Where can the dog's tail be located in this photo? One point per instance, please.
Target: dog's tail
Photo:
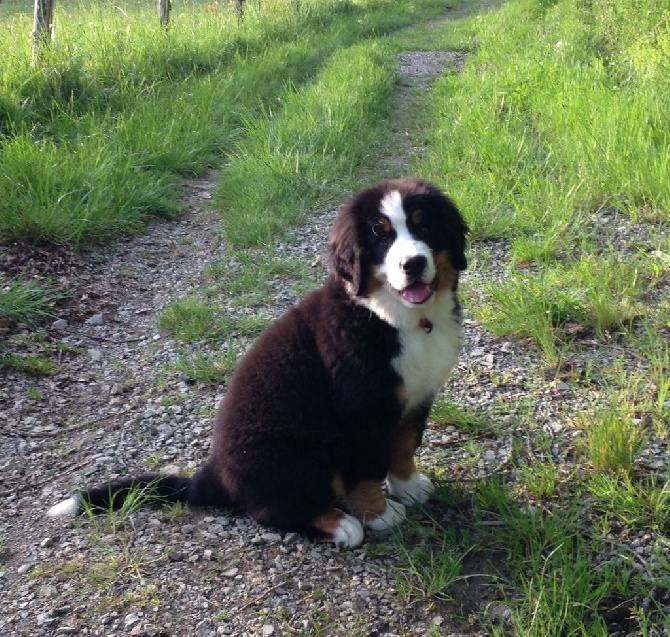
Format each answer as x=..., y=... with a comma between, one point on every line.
x=149, y=489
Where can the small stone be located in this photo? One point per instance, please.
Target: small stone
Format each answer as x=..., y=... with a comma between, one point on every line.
x=47, y=542
x=271, y=538
x=47, y=591
x=23, y=569
x=96, y=319
x=59, y=324
x=203, y=628
x=45, y=618
x=95, y=354
x=117, y=388
x=130, y=619
x=231, y=572
x=268, y=629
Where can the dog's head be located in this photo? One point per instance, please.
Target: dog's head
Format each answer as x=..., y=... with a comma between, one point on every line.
x=402, y=238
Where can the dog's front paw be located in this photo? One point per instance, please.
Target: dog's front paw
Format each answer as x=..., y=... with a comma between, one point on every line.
x=415, y=490
x=394, y=514
x=349, y=533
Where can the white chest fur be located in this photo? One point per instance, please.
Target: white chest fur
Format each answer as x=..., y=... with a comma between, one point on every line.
x=426, y=358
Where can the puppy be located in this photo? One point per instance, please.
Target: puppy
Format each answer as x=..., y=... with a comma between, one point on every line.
x=331, y=401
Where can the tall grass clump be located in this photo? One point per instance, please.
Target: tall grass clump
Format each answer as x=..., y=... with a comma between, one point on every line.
x=613, y=439
x=25, y=301
x=301, y=157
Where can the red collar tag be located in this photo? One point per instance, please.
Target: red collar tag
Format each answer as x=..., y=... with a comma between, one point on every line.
x=426, y=325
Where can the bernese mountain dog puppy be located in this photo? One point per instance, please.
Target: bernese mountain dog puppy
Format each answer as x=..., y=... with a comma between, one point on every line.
x=330, y=403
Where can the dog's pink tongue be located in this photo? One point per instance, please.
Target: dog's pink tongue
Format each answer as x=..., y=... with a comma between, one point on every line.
x=416, y=293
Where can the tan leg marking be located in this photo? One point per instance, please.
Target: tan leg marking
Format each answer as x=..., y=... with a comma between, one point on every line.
x=338, y=487
x=366, y=500
x=403, y=447
x=344, y=530
x=329, y=521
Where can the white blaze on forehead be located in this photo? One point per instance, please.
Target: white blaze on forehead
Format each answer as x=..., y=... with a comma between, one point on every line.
x=391, y=206
x=404, y=246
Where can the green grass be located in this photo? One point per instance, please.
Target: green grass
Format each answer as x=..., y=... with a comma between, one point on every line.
x=300, y=158
x=248, y=278
x=95, y=135
x=26, y=301
x=210, y=368
x=191, y=319
x=613, y=439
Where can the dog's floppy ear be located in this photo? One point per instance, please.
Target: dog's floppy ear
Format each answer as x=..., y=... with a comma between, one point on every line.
x=456, y=227
x=347, y=250
x=457, y=242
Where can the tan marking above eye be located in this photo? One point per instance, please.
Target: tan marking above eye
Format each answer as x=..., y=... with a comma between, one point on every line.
x=417, y=217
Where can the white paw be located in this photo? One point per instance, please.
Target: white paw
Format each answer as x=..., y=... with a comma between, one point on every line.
x=65, y=507
x=417, y=489
x=394, y=514
x=349, y=533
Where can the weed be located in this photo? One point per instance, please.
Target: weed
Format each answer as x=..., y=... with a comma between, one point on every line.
x=446, y=412
x=191, y=319
x=541, y=480
x=35, y=394
x=210, y=368
x=36, y=365
x=641, y=504
x=612, y=438
x=24, y=301
x=133, y=499
x=153, y=460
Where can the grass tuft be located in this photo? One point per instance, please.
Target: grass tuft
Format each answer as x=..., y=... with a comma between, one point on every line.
x=26, y=301
x=613, y=439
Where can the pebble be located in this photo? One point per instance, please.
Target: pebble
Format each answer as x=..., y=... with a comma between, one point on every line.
x=95, y=320
x=59, y=324
x=231, y=572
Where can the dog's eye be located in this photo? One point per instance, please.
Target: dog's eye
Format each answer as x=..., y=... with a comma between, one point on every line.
x=381, y=231
x=424, y=229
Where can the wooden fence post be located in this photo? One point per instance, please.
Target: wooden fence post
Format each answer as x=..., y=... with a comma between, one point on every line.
x=239, y=8
x=164, y=7
x=42, y=23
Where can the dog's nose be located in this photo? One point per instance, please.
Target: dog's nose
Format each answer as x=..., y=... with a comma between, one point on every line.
x=414, y=266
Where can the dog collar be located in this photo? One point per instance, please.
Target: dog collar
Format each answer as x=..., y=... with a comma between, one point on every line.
x=426, y=324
